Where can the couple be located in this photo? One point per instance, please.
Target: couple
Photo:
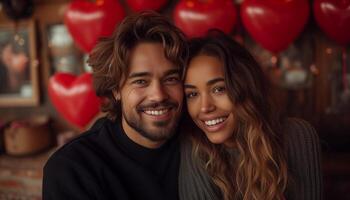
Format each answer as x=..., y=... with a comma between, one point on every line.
x=227, y=143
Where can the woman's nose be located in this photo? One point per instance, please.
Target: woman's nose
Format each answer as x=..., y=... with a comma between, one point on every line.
x=207, y=104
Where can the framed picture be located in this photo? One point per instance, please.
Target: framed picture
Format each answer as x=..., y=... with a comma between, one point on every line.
x=58, y=52
x=63, y=56
x=18, y=65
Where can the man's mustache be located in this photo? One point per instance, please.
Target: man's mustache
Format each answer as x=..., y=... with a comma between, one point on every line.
x=157, y=105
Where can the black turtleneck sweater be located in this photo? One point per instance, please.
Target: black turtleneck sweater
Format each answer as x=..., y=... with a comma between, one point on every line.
x=104, y=163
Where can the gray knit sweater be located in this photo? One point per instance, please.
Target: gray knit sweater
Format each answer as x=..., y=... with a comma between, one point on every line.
x=303, y=158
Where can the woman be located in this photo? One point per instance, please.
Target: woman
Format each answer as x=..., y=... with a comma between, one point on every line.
x=243, y=150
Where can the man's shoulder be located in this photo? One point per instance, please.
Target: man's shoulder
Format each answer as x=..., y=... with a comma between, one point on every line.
x=87, y=136
x=83, y=146
x=99, y=123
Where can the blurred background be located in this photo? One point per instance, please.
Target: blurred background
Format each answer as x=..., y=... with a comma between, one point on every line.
x=46, y=94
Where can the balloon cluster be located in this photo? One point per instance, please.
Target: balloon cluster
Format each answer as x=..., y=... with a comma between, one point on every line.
x=274, y=24
x=271, y=23
x=88, y=21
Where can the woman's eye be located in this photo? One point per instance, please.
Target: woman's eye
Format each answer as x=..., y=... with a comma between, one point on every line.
x=219, y=89
x=191, y=95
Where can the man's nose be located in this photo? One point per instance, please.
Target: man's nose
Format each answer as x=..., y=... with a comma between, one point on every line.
x=158, y=92
x=207, y=104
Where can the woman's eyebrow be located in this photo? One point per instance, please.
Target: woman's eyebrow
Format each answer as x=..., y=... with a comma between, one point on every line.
x=215, y=80
x=189, y=86
x=210, y=82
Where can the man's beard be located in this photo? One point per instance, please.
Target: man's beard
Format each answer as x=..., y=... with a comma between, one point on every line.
x=164, y=131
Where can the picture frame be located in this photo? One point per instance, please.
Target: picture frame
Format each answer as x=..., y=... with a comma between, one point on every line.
x=58, y=52
x=63, y=55
x=19, y=73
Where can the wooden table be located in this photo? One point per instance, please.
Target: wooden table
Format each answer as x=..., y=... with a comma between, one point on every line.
x=21, y=177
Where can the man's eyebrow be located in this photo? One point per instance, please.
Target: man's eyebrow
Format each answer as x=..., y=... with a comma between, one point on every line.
x=215, y=80
x=138, y=74
x=172, y=71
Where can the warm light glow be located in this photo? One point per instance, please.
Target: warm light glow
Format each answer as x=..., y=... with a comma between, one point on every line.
x=314, y=69
x=329, y=50
x=19, y=40
x=274, y=60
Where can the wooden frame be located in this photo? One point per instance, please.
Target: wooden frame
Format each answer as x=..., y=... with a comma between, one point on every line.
x=18, y=64
x=50, y=15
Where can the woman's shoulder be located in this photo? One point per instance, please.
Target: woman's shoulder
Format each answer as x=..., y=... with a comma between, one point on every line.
x=302, y=146
x=303, y=156
x=297, y=131
x=301, y=143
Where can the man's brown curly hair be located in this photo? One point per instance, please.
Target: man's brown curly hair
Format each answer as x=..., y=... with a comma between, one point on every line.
x=110, y=57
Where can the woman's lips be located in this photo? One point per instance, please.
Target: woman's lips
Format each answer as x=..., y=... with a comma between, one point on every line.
x=214, y=124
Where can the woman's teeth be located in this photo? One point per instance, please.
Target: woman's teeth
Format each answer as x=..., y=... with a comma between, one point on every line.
x=156, y=112
x=215, y=121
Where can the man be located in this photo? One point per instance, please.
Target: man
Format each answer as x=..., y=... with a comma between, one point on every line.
x=133, y=153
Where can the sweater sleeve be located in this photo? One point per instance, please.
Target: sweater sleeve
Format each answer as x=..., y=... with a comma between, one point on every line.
x=65, y=179
x=303, y=157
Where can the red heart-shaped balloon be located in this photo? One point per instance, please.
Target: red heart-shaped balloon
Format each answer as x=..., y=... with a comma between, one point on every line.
x=196, y=17
x=274, y=23
x=333, y=16
x=140, y=5
x=87, y=21
x=74, y=97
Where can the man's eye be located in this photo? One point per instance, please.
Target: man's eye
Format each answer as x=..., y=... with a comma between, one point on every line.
x=191, y=95
x=219, y=89
x=139, y=82
x=172, y=80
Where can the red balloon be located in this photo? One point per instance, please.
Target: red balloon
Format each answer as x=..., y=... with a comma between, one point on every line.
x=274, y=23
x=140, y=5
x=74, y=97
x=87, y=21
x=196, y=17
x=333, y=16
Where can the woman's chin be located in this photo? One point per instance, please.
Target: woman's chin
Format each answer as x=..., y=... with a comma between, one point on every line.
x=216, y=139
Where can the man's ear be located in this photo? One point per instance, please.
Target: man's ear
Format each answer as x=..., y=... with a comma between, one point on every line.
x=116, y=94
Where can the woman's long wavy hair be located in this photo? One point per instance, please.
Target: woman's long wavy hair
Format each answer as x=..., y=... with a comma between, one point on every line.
x=254, y=168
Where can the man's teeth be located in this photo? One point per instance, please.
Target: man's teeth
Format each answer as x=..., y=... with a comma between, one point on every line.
x=156, y=112
x=214, y=121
